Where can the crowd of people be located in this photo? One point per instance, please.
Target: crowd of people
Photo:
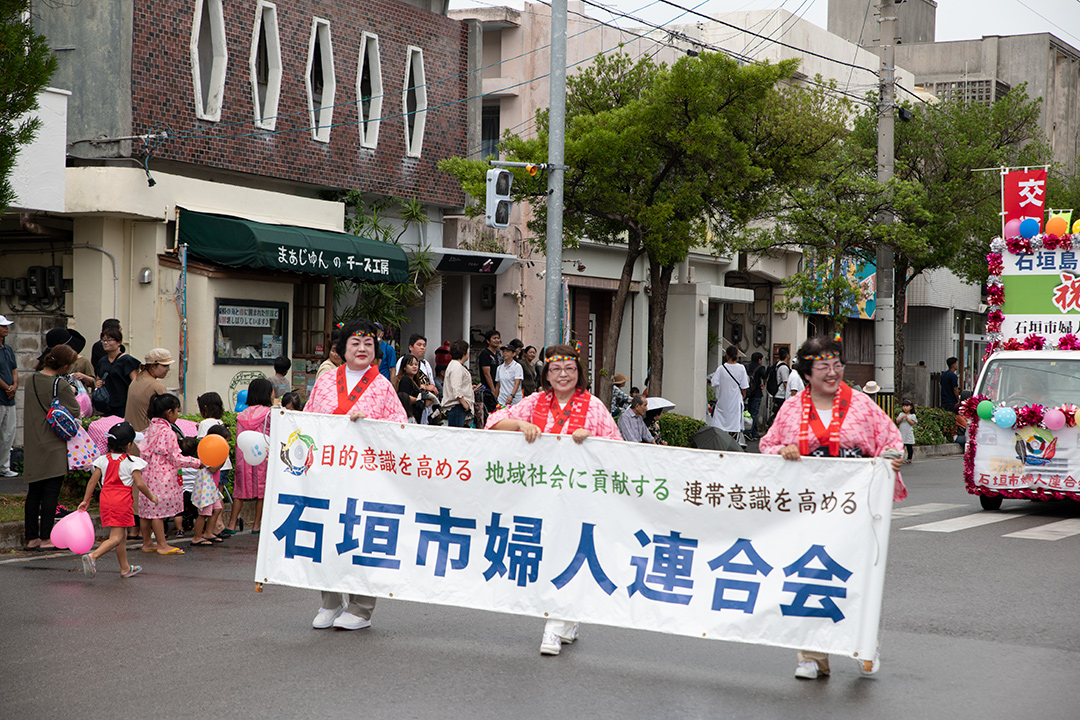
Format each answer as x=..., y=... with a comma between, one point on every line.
x=149, y=471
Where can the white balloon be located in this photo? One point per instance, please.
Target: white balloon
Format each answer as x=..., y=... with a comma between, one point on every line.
x=254, y=445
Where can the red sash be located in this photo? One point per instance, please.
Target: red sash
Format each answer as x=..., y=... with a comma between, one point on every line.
x=811, y=421
x=345, y=398
x=572, y=415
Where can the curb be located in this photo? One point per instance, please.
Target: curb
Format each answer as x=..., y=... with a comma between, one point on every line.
x=11, y=533
x=924, y=452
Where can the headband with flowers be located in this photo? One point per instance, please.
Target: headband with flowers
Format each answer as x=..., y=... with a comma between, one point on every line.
x=556, y=358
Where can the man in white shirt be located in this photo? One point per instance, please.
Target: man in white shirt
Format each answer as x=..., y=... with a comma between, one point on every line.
x=783, y=373
x=795, y=383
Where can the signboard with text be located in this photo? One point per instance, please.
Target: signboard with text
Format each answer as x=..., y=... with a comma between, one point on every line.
x=729, y=546
x=1042, y=294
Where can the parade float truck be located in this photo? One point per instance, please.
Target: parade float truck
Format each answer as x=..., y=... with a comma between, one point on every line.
x=1023, y=438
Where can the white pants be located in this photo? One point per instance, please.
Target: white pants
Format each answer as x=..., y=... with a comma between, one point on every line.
x=562, y=628
x=7, y=435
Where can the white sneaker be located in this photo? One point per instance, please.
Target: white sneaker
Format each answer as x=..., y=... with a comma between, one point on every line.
x=551, y=644
x=873, y=668
x=8, y=473
x=807, y=670
x=572, y=636
x=325, y=618
x=348, y=621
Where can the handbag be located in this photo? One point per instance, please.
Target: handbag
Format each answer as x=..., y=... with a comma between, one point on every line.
x=100, y=400
x=59, y=418
x=81, y=451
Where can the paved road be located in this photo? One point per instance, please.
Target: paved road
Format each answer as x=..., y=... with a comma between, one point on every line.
x=979, y=623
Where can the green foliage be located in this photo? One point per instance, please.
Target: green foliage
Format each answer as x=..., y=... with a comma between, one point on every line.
x=386, y=303
x=678, y=430
x=935, y=426
x=25, y=68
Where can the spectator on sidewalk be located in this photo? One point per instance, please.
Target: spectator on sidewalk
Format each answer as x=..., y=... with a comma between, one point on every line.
x=632, y=422
x=950, y=385
x=9, y=383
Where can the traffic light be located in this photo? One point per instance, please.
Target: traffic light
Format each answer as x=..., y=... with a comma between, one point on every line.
x=759, y=335
x=498, y=203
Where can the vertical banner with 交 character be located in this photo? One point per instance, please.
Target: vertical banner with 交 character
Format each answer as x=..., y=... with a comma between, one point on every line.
x=729, y=546
x=1023, y=195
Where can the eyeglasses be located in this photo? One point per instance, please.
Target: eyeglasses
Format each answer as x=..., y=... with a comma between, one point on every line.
x=827, y=367
x=568, y=370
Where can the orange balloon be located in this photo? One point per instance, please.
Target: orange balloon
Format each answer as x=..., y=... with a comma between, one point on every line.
x=1057, y=225
x=213, y=450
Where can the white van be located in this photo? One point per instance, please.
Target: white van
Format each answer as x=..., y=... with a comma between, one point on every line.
x=1026, y=461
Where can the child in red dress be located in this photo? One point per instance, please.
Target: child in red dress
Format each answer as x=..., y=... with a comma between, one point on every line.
x=120, y=471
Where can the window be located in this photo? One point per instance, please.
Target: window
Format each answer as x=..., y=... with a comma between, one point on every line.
x=265, y=65
x=489, y=131
x=369, y=90
x=319, y=80
x=209, y=58
x=250, y=332
x=310, y=338
x=414, y=101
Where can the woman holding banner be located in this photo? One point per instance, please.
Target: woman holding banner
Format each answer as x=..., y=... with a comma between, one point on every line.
x=357, y=389
x=828, y=419
x=564, y=407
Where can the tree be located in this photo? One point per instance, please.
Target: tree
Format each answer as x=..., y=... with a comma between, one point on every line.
x=25, y=68
x=386, y=303
x=664, y=159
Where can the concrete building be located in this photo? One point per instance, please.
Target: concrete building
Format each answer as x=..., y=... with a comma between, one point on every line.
x=728, y=297
x=200, y=121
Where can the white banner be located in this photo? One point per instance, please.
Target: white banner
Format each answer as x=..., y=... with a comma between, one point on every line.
x=734, y=546
x=1031, y=457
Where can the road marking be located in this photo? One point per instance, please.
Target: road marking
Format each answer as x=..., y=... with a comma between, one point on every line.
x=968, y=521
x=913, y=510
x=1053, y=531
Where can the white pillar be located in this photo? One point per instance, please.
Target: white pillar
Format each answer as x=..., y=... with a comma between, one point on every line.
x=466, y=308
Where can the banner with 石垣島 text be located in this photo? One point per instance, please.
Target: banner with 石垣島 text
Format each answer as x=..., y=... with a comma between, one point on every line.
x=730, y=546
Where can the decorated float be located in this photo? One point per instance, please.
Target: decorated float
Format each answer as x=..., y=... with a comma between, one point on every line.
x=1023, y=438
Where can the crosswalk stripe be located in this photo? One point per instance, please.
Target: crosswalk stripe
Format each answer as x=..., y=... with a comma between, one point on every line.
x=1053, y=531
x=913, y=510
x=967, y=521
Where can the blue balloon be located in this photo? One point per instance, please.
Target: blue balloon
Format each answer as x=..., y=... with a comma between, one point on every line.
x=1005, y=417
x=241, y=400
x=1029, y=228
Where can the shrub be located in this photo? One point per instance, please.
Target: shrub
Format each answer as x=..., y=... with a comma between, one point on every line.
x=935, y=426
x=678, y=430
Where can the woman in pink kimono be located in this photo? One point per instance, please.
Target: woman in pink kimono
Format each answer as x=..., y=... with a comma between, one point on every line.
x=250, y=483
x=161, y=451
x=357, y=389
x=828, y=419
x=564, y=407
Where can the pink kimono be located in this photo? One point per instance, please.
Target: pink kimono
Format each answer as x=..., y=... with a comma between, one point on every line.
x=866, y=426
x=598, y=420
x=379, y=401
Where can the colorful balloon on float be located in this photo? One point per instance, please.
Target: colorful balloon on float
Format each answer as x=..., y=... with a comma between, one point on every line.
x=1012, y=228
x=1054, y=419
x=1004, y=417
x=985, y=409
x=1029, y=227
x=1057, y=225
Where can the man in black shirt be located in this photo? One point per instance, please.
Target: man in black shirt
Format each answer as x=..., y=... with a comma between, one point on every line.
x=489, y=363
x=950, y=385
x=756, y=391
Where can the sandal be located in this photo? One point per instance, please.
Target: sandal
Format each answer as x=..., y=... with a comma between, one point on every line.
x=171, y=551
x=202, y=543
x=135, y=570
x=216, y=540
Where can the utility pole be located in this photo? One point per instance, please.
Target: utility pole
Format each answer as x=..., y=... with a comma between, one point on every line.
x=556, y=171
x=884, y=316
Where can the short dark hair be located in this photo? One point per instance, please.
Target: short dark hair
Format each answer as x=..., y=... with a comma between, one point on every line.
x=282, y=365
x=906, y=401
x=358, y=325
x=731, y=352
x=756, y=356
x=951, y=361
x=294, y=399
x=515, y=343
x=113, y=333
x=440, y=368
x=783, y=352
x=220, y=429
x=566, y=351
x=260, y=392
x=161, y=403
x=816, y=346
x=210, y=405
x=458, y=349
x=637, y=400
x=189, y=446
x=110, y=323
x=635, y=390
x=490, y=333
x=415, y=337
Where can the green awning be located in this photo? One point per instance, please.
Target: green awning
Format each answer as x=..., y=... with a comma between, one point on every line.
x=228, y=240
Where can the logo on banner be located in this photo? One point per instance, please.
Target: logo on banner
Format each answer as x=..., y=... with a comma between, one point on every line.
x=1035, y=446
x=298, y=453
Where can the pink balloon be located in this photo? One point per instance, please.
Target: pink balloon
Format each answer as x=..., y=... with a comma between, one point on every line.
x=1054, y=419
x=1012, y=228
x=74, y=532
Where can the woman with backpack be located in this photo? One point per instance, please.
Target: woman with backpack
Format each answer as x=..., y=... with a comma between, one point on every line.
x=45, y=453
